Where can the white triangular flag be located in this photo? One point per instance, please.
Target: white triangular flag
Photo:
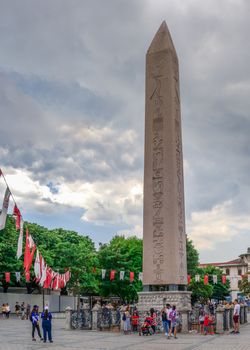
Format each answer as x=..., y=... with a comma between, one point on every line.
x=122, y=273
x=197, y=278
x=31, y=242
x=20, y=241
x=215, y=279
x=140, y=276
x=44, y=269
x=5, y=207
x=103, y=273
x=18, y=276
x=37, y=269
x=248, y=278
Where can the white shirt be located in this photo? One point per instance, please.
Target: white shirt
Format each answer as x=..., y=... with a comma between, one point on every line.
x=237, y=309
x=168, y=312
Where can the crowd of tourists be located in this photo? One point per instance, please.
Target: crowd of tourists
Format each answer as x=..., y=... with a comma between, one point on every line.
x=206, y=316
x=167, y=320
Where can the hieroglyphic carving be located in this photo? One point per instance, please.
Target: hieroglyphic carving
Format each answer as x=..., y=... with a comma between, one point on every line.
x=179, y=174
x=157, y=170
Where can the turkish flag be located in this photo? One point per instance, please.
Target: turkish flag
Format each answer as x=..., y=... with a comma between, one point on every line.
x=27, y=276
x=28, y=255
x=224, y=279
x=17, y=214
x=131, y=276
x=188, y=279
x=7, y=277
x=112, y=275
x=205, y=279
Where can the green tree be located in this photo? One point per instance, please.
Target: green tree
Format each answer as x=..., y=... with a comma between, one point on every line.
x=121, y=254
x=244, y=285
x=61, y=249
x=192, y=258
x=202, y=292
x=8, y=249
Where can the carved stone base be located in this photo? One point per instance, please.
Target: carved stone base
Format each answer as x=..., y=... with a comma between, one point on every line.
x=181, y=299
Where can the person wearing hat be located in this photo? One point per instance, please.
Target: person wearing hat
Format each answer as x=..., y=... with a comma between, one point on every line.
x=46, y=324
x=34, y=318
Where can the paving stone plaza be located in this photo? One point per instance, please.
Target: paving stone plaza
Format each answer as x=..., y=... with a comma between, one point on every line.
x=16, y=334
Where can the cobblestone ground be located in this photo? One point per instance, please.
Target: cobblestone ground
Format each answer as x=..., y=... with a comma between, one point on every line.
x=16, y=334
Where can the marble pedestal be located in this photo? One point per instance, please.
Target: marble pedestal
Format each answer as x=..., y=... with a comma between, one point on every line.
x=156, y=300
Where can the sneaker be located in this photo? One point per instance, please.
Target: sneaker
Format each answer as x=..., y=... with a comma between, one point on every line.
x=237, y=332
x=166, y=334
x=175, y=338
x=232, y=332
x=41, y=338
x=51, y=341
x=33, y=339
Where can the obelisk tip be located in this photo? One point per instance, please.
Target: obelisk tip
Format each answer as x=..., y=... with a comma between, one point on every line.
x=162, y=40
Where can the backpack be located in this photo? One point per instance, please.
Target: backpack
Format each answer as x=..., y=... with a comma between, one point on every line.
x=124, y=317
x=30, y=318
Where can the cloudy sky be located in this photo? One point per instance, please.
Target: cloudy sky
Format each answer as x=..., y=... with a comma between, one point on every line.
x=72, y=114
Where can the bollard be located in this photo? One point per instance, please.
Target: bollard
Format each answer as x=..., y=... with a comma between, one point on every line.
x=220, y=319
x=241, y=320
x=95, y=310
x=68, y=314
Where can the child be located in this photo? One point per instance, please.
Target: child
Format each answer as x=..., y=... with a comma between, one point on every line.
x=206, y=324
x=135, y=321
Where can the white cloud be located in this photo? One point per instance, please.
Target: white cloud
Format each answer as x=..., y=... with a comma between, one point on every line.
x=211, y=228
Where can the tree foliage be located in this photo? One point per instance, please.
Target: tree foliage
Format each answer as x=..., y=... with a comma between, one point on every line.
x=123, y=255
x=192, y=258
x=65, y=249
x=244, y=285
x=201, y=292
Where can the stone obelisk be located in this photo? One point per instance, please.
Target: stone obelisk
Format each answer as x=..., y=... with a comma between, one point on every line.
x=164, y=237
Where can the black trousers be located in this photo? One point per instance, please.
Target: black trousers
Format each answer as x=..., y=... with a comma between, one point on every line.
x=36, y=326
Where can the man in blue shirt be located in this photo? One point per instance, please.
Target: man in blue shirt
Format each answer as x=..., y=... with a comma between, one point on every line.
x=46, y=324
x=34, y=318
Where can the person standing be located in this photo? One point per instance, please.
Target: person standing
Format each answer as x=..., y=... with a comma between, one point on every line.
x=34, y=317
x=164, y=318
x=46, y=317
x=173, y=318
x=169, y=310
x=7, y=310
x=126, y=319
x=236, y=316
x=17, y=308
x=22, y=311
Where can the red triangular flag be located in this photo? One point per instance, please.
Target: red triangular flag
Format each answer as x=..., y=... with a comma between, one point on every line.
x=205, y=279
x=27, y=276
x=131, y=276
x=112, y=275
x=17, y=214
x=224, y=279
x=188, y=279
x=7, y=277
x=28, y=256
